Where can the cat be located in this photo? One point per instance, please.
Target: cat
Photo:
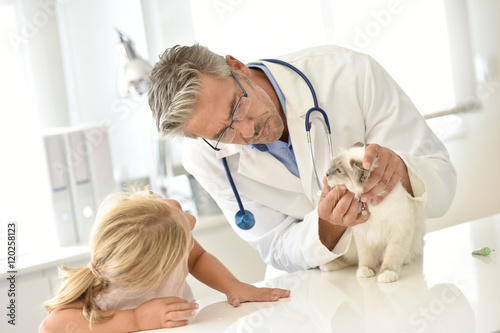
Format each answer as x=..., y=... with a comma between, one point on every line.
x=393, y=234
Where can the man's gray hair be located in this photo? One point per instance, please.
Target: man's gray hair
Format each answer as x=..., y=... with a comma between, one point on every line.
x=175, y=83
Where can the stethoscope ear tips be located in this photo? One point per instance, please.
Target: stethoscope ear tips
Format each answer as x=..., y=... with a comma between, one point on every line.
x=244, y=220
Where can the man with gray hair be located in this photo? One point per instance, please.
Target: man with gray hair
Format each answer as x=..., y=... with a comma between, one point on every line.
x=252, y=117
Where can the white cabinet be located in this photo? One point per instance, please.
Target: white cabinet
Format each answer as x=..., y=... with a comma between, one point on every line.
x=33, y=283
x=30, y=290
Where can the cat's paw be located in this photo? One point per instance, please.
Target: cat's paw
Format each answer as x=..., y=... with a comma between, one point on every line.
x=365, y=272
x=388, y=276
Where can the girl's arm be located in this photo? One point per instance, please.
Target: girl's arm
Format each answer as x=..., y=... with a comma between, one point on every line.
x=209, y=270
x=156, y=313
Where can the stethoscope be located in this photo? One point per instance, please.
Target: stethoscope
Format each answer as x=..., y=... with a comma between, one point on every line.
x=244, y=218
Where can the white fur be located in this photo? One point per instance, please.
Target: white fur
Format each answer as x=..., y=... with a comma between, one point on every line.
x=391, y=237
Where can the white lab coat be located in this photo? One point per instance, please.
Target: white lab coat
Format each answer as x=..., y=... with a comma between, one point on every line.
x=363, y=104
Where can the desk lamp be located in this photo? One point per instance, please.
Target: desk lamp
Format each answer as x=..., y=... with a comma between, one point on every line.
x=133, y=72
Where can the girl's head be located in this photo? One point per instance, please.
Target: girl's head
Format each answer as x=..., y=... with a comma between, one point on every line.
x=138, y=239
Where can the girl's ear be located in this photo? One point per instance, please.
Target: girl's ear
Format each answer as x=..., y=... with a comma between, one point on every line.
x=237, y=66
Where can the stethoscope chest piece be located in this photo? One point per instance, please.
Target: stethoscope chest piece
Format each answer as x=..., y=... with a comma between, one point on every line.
x=244, y=220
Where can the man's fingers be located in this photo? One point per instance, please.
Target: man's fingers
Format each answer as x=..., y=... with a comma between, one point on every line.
x=350, y=217
x=371, y=153
x=384, y=177
x=325, y=183
x=347, y=212
x=340, y=207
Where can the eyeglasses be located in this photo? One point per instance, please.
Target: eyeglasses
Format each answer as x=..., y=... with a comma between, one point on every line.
x=239, y=113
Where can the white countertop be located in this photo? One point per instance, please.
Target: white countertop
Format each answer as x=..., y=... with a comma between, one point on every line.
x=448, y=290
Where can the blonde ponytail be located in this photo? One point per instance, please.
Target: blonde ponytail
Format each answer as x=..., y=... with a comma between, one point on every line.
x=79, y=284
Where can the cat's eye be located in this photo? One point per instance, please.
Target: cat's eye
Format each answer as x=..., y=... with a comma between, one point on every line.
x=339, y=171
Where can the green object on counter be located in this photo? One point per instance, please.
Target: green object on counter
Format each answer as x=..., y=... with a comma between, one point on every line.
x=485, y=251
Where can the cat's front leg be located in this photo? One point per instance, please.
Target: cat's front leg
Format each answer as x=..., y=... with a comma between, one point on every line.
x=395, y=254
x=368, y=259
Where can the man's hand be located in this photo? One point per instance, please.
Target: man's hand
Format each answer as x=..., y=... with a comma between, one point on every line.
x=338, y=206
x=337, y=210
x=390, y=169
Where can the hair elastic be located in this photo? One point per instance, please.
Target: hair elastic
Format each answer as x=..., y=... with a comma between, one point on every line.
x=91, y=266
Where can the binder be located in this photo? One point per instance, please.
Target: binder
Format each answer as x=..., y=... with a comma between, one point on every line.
x=81, y=177
x=84, y=205
x=60, y=190
x=100, y=164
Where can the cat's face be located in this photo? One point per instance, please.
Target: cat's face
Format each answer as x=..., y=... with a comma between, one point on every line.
x=347, y=169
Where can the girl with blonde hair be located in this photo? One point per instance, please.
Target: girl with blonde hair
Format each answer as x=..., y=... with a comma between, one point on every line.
x=141, y=251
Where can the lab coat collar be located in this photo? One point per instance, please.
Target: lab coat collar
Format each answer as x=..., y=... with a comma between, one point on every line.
x=250, y=162
x=276, y=174
x=298, y=102
x=228, y=150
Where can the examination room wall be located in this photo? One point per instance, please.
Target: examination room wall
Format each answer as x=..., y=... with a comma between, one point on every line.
x=475, y=152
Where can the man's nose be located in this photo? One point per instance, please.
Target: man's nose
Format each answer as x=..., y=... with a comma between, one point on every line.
x=245, y=127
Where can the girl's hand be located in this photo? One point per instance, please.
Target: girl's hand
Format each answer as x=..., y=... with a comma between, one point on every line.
x=243, y=292
x=164, y=312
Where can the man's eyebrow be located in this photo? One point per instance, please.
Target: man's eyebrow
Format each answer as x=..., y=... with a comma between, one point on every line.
x=231, y=107
x=229, y=117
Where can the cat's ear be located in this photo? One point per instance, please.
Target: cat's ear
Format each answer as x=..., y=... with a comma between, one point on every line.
x=364, y=176
x=357, y=165
x=361, y=173
x=358, y=144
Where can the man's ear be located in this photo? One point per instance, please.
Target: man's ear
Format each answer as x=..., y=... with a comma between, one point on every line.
x=237, y=66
